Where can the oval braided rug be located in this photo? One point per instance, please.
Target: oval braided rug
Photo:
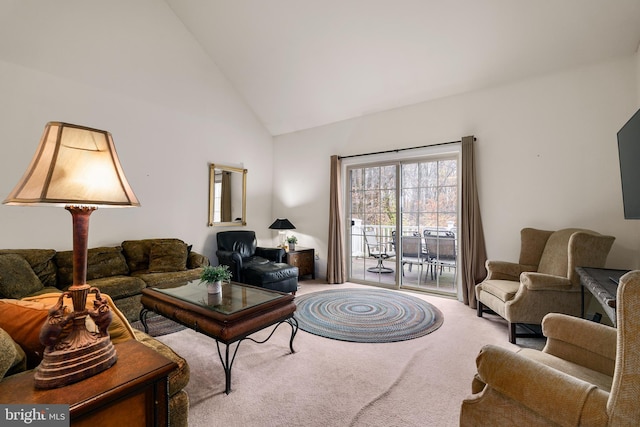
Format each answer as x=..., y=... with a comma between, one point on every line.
x=366, y=315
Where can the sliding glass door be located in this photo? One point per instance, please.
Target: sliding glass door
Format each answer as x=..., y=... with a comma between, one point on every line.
x=404, y=218
x=428, y=224
x=373, y=218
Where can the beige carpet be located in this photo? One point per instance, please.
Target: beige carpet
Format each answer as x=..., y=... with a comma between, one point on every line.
x=419, y=382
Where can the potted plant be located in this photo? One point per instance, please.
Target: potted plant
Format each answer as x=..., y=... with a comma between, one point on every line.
x=213, y=276
x=292, y=240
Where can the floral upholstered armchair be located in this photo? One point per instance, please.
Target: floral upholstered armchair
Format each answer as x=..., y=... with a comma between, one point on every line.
x=588, y=374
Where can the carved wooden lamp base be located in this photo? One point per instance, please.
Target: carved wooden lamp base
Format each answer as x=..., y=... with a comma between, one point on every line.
x=80, y=355
x=77, y=167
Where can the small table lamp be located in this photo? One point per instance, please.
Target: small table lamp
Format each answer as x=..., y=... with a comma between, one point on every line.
x=282, y=224
x=78, y=168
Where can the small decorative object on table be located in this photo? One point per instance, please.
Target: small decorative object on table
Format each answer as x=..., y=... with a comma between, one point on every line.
x=213, y=276
x=292, y=240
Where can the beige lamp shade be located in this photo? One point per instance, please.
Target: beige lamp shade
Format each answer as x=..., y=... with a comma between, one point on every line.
x=74, y=165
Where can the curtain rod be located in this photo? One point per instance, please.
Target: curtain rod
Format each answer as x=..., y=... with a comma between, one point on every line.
x=397, y=150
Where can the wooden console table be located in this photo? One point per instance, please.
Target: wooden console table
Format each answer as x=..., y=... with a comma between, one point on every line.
x=133, y=392
x=603, y=285
x=305, y=260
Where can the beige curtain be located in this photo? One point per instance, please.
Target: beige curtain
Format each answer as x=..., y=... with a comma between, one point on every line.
x=335, y=257
x=473, y=253
x=225, y=197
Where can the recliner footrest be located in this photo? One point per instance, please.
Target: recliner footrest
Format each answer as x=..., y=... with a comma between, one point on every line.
x=273, y=275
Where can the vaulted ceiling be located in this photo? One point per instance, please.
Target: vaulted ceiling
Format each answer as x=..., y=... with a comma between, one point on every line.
x=304, y=63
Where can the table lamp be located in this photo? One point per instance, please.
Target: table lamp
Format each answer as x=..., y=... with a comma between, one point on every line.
x=282, y=224
x=76, y=167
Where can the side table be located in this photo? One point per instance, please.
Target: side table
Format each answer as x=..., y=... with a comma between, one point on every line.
x=304, y=259
x=133, y=392
x=602, y=283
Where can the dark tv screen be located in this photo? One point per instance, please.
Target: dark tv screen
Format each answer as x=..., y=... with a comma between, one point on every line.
x=629, y=153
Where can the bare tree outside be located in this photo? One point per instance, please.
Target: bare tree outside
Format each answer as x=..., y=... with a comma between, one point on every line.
x=428, y=207
x=429, y=195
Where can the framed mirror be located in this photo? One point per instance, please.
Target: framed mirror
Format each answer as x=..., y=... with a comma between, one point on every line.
x=227, y=195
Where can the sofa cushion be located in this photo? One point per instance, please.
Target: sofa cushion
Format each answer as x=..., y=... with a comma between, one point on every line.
x=137, y=252
x=197, y=260
x=41, y=261
x=23, y=319
x=17, y=279
x=254, y=260
x=505, y=290
x=101, y=262
x=119, y=330
x=168, y=255
x=118, y=287
x=169, y=280
x=12, y=358
x=603, y=381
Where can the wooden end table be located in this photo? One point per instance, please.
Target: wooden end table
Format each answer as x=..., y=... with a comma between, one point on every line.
x=133, y=392
x=228, y=317
x=304, y=259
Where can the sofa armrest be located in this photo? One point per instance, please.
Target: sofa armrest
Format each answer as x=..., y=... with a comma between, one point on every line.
x=178, y=378
x=503, y=270
x=580, y=341
x=536, y=386
x=197, y=260
x=544, y=282
x=272, y=254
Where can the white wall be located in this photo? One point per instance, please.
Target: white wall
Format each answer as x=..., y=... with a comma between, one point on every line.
x=546, y=147
x=130, y=68
x=546, y=156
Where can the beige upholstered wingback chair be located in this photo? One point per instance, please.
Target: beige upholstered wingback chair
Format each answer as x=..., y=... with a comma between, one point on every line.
x=588, y=374
x=544, y=280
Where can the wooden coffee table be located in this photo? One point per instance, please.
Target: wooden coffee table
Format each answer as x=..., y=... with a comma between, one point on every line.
x=229, y=317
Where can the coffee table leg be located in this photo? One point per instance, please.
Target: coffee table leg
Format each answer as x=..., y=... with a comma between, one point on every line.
x=227, y=364
x=143, y=319
x=293, y=322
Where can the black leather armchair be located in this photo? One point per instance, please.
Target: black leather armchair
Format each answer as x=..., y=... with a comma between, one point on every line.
x=240, y=251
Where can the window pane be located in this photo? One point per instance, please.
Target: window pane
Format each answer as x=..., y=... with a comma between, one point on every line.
x=447, y=172
x=447, y=199
x=371, y=178
x=410, y=176
x=388, y=177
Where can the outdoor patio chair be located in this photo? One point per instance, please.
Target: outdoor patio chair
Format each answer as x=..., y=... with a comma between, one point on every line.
x=380, y=251
x=441, y=247
x=413, y=253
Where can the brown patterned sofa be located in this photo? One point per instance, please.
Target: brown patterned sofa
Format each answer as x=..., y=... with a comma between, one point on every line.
x=118, y=271
x=32, y=279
